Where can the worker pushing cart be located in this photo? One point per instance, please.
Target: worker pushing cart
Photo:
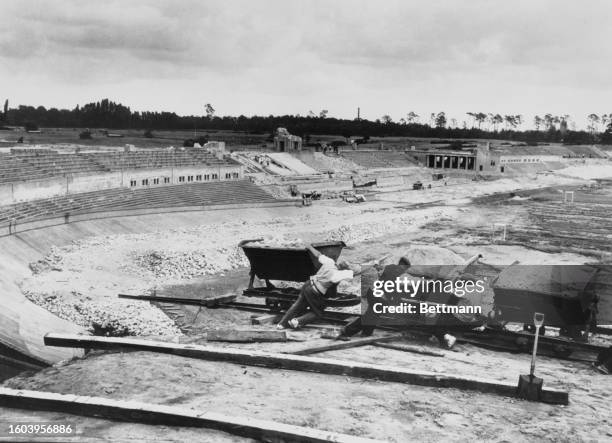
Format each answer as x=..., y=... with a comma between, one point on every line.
x=314, y=293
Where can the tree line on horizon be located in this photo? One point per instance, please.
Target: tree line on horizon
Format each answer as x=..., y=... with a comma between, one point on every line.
x=110, y=115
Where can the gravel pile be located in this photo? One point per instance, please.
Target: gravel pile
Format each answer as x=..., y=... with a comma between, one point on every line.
x=336, y=164
x=167, y=264
x=50, y=262
x=281, y=242
x=107, y=317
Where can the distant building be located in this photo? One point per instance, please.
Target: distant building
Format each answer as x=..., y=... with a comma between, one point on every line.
x=283, y=141
x=531, y=154
x=216, y=148
x=487, y=160
x=461, y=159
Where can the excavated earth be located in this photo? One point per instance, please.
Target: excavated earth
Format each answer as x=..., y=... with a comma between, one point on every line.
x=182, y=256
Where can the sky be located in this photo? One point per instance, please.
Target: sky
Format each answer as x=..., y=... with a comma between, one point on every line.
x=261, y=57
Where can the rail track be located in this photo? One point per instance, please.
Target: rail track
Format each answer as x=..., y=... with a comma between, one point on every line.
x=499, y=339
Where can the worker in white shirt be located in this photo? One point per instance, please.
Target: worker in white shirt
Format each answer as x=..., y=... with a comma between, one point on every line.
x=312, y=300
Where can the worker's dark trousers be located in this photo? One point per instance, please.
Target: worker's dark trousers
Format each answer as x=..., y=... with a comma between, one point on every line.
x=300, y=310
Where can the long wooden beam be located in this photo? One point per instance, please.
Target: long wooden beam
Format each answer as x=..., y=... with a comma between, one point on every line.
x=408, y=348
x=345, y=344
x=246, y=336
x=302, y=363
x=207, y=302
x=140, y=412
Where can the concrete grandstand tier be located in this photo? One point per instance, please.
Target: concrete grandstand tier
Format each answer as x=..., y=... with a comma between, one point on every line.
x=379, y=159
x=26, y=165
x=13, y=168
x=157, y=159
x=61, y=164
x=196, y=194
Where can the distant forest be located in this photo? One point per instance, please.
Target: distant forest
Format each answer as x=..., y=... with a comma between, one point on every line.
x=110, y=115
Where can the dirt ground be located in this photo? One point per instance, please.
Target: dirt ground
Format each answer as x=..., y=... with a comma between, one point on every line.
x=389, y=411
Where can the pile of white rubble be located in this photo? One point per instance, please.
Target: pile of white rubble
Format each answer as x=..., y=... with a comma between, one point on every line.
x=112, y=317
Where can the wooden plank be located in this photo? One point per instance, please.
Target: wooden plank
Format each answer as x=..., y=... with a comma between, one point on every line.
x=345, y=344
x=139, y=412
x=207, y=302
x=245, y=336
x=265, y=319
x=21, y=364
x=408, y=348
x=302, y=363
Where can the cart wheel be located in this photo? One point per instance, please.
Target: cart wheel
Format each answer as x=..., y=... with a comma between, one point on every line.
x=274, y=305
x=531, y=329
x=284, y=305
x=573, y=332
x=495, y=320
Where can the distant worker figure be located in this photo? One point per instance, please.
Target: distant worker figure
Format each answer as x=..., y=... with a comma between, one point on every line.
x=312, y=300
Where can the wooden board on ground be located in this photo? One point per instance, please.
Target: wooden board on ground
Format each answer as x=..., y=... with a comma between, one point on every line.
x=303, y=363
x=140, y=412
x=245, y=336
x=207, y=302
x=408, y=348
x=266, y=319
x=353, y=343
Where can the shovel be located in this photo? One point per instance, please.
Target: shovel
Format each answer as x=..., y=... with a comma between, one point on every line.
x=530, y=386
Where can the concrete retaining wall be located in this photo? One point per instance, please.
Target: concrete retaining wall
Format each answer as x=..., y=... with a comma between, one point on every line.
x=78, y=183
x=86, y=183
x=31, y=190
x=329, y=185
x=6, y=193
x=56, y=221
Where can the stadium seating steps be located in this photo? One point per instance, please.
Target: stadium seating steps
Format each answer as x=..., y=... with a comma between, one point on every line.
x=196, y=194
x=379, y=159
x=24, y=166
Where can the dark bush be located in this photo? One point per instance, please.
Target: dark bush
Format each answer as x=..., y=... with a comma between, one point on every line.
x=85, y=135
x=29, y=126
x=202, y=140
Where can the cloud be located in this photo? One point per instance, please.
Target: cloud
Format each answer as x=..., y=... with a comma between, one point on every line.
x=299, y=51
